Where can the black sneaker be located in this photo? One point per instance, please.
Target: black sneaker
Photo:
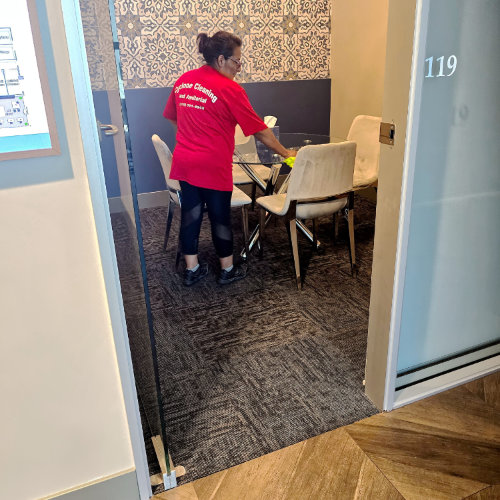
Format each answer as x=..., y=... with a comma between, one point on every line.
x=192, y=277
x=238, y=272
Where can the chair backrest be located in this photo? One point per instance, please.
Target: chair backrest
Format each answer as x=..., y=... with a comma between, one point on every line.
x=323, y=170
x=270, y=121
x=244, y=145
x=239, y=137
x=165, y=156
x=365, y=132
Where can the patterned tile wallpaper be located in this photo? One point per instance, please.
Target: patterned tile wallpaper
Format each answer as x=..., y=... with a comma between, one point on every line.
x=282, y=39
x=99, y=43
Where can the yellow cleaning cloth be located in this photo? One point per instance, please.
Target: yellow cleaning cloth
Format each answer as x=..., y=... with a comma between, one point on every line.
x=290, y=161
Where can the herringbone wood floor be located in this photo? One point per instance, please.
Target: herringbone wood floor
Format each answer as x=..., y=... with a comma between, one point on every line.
x=443, y=447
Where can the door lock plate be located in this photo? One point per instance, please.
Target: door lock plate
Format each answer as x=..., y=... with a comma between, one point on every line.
x=387, y=133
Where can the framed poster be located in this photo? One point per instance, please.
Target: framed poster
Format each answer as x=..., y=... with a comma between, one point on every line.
x=27, y=123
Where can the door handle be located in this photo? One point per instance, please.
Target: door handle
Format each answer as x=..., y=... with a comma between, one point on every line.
x=108, y=129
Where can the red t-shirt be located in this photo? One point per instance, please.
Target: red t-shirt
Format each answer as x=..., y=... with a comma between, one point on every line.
x=207, y=106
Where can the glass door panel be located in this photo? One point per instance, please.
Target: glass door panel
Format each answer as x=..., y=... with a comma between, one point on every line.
x=107, y=88
x=450, y=314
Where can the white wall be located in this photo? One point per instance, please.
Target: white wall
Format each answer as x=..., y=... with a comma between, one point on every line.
x=63, y=420
x=359, y=31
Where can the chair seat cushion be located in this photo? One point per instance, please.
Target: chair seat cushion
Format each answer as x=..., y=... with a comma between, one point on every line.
x=276, y=205
x=240, y=177
x=239, y=198
x=361, y=181
x=315, y=210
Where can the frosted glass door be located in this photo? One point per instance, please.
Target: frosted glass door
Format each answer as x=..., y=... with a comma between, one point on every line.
x=103, y=59
x=451, y=299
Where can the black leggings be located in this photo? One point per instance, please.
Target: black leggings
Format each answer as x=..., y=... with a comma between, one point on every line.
x=218, y=204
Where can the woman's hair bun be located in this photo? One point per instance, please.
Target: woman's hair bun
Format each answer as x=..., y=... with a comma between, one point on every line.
x=203, y=41
x=221, y=43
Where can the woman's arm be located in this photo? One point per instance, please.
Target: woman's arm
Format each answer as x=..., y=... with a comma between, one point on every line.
x=267, y=137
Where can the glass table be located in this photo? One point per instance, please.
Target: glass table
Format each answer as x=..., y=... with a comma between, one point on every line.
x=265, y=156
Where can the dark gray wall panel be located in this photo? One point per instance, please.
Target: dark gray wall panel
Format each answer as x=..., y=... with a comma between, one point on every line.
x=301, y=106
x=145, y=116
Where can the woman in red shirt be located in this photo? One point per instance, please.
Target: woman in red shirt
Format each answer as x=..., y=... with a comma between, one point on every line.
x=204, y=107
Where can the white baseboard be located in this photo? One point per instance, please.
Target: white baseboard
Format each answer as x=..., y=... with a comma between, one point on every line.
x=145, y=200
x=446, y=381
x=444, y=366
x=116, y=205
x=152, y=200
x=121, y=486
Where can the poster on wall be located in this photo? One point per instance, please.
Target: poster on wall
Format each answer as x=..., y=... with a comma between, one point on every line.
x=27, y=124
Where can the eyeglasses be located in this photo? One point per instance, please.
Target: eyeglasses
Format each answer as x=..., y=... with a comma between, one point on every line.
x=236, y=61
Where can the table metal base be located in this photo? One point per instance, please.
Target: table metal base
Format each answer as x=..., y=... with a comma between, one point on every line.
x=268, y=188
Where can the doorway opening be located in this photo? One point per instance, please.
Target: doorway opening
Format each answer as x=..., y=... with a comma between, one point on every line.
x=247, y=369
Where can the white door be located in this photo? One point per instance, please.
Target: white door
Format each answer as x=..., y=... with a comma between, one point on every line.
x=443, y=317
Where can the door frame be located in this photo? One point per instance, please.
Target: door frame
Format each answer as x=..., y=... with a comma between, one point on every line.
x=85, y=105
x=414, y=100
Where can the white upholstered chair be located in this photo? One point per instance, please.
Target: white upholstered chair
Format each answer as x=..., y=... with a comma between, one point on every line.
x=320, y=182
x=365, y=132
x=173, y=186
x=245, y=145
x=238, y=198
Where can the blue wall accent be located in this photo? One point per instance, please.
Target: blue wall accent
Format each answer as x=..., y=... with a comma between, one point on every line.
x=300, y=105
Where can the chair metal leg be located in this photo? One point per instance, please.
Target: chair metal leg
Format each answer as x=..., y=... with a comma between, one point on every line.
x=350, y=223
x=244, y=215
x=305, y=231
x=352, y=251
x=336, y=219
x=295, y=251
x=170, y=216
x=262, y=226
x=254, y=194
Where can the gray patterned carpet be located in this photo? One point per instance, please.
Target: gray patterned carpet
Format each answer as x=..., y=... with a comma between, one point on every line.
x=253, y=367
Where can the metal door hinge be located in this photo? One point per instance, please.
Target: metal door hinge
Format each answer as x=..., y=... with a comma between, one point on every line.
x=387, y=133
